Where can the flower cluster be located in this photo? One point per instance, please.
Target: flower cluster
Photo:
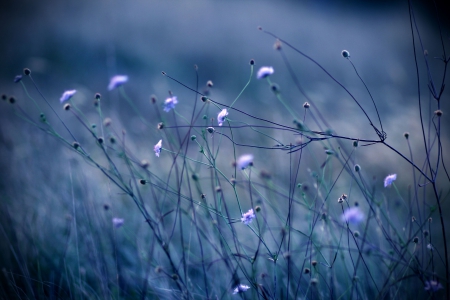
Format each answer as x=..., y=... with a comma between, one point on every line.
x=157, y=148
x=67, y=95
x=353, y=215
x=117, y=81
x=170, y=103
x=244, y=161
x=240, y=288
x=263, y=72
x=221, y=116
x=248, y=217
x=389, y=179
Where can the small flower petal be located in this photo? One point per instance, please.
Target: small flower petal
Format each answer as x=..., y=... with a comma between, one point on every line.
x=389, y=179
x=157, y=148
x=67, y=95
x=170, y=103
x=221, y=116
x=263, y=72
x=117, y=81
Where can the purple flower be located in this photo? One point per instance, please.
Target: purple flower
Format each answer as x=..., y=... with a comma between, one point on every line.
x=389, y=179
x=248, y=217
x=432, y=286
x=18, y=78
x=244, y=161
x=240, y=289
x=67, y=95
x=353, y=215
x=117, y=222
x=263, y=72
x=117, y=81
x=221, y=116
x=158, y=147
x=170, y=103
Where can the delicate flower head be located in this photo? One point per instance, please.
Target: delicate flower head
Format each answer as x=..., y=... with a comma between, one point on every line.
x=248, y=217
x=67, y=95
x=263, y=72
x=389, y=179
x=240, y=289
x=244, y=161
x=432, y=286
x=353, y=215
x=117, y=81
x=221, y=116
x=157, y=148
x=117, y=222
x=170, y=103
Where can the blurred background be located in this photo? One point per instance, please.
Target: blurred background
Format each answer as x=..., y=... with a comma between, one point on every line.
x=82, y=44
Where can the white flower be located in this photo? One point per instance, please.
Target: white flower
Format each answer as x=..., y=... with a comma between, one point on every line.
x=117, y=222
x=248, y=217
x=67, y=95
x=170, y=103
x=263, y=72
x=117, y=81
x=389, y=179
x=244, y=161
x=157, y=148
x=240, y=288
x=221, y=116
x=353, y=215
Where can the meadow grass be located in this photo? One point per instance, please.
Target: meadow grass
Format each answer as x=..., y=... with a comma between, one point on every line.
x=218, y=202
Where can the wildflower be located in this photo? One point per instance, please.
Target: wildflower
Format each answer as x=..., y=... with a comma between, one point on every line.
x=170, y=103
x=248, y=217
x=221, y=116
x=432, y=286
x=157, y=148
x=240, y=289
x=389, y=179
x=117, y=81
x=244, y=161
x=67, y=95
x=353, y=215
x=18, y=78
x=263, y=72
x=117, y=222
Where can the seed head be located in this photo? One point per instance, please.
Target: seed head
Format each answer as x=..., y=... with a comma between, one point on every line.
x=4, y=97
x=415, y=240
x=275, y=87
x=203, y=196
x=76, y=145
x=218, y=189
x=204, y=98
x=98, y=96
x=356, y=234
x=438, y=112
x=145, y=164
x=112, y=140
x=193, y=137
x=174, y=276
x=106, y=206
x=406, y=135
x=209, y=83
x=100, y=140
x=277, y=45
x=142, y=181
x=160, y=125
x=26, y=71
x=357, y=168
x=252, y=62
x=107, y=122
x=153, y=99
x=306, y=105
x=66, y=106
x=314, y=263
x=258, y=208
x=314, y=281
x=210, y=130
x=425, y=233
x=306, y=271
x=355, y=144
x=194, y=177
x=12, y=99
x=345, y=54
